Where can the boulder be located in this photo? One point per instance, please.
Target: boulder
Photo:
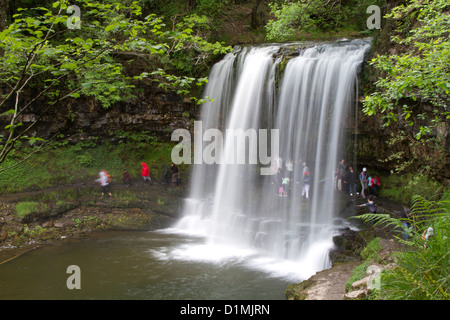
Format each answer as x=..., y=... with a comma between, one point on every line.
x=356, y=295
x=47, y=224
x=362, y=282
x=348, y=245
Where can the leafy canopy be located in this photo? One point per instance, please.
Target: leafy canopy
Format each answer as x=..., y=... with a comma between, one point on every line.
x=42, y=56
x=294, y=19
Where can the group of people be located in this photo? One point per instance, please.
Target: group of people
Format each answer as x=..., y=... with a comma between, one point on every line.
x=105, y=179
x=407, y=220
x=288, y=173
x=146, y=174
x=345, y=180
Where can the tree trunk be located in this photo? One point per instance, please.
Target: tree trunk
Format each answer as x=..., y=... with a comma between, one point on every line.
x=3, y=18
x=256, y=14
x=3, y=14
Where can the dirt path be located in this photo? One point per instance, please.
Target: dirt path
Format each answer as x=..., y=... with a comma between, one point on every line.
x=75, y=210
x=330, y=284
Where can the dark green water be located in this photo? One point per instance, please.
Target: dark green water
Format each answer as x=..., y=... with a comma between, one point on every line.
x=136, y=265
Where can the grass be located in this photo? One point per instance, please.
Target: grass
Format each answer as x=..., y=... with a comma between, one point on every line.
x=66, y=164
x=403, y=188
x=23, y=209
x=369, y=256
x=370, y=251
x=360, y=272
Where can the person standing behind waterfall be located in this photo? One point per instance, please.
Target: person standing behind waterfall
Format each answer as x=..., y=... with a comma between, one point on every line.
x=279, y=182
x=175, y=178
x=290, y=169
x=165, y=173
x=343, y=172
x=338, y=179
x=364, y=179
x=374, y=183
x=352, y=182
x=285, y=185
x=306, y=181
x=297, y=170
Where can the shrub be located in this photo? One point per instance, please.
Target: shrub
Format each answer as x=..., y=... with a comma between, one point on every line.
x=403, y=187
x=64, y=163
x=25, y=208
x=421, y=271
x=370, y=251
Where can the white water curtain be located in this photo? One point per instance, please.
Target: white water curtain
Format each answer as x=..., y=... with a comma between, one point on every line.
x=307, y=101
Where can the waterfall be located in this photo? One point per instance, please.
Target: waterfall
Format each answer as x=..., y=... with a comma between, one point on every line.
x=306, y=100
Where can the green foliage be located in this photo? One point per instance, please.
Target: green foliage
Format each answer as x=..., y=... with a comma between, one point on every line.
x=421, y=156
x=419, y=77
x=137, y=140
x=293, y=19
x=210, y=7
x=28, y=207
x=71, y=61
x=421, y=271
x=43, y=57
x=190, y=53
x=172, y=8
x=286, y=23
x=85, y=219
x=360, y=272
x=370, y=251
x=63, y=163
x=369, y=256
x=402, y=188
x=85, y=160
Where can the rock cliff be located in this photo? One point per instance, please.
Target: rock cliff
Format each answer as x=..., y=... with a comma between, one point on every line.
x=151, y=109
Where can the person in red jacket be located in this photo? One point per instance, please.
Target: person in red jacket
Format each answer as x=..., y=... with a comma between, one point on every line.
x=374, y=184
x=145, y=172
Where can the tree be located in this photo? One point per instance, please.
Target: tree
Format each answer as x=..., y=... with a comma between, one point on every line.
x=68, y=51
x=412, y=91
x=295, y=18
x=420, y=76
x=256, y=19
x=3, y=13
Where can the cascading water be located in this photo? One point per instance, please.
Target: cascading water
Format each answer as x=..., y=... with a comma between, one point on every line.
x=235, y=207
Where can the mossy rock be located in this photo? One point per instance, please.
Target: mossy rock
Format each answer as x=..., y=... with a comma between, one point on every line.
x=297, y=291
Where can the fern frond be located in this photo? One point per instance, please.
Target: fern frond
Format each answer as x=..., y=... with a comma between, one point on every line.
x=380, y=219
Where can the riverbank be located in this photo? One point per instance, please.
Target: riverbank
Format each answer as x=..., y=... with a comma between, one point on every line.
x=76, y=210
x=337, y=283
x=73, y=212
x=354, y=251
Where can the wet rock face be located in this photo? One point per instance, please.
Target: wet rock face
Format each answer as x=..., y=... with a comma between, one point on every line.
x=152, y=109
x=383, y=149
x=348, y=246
